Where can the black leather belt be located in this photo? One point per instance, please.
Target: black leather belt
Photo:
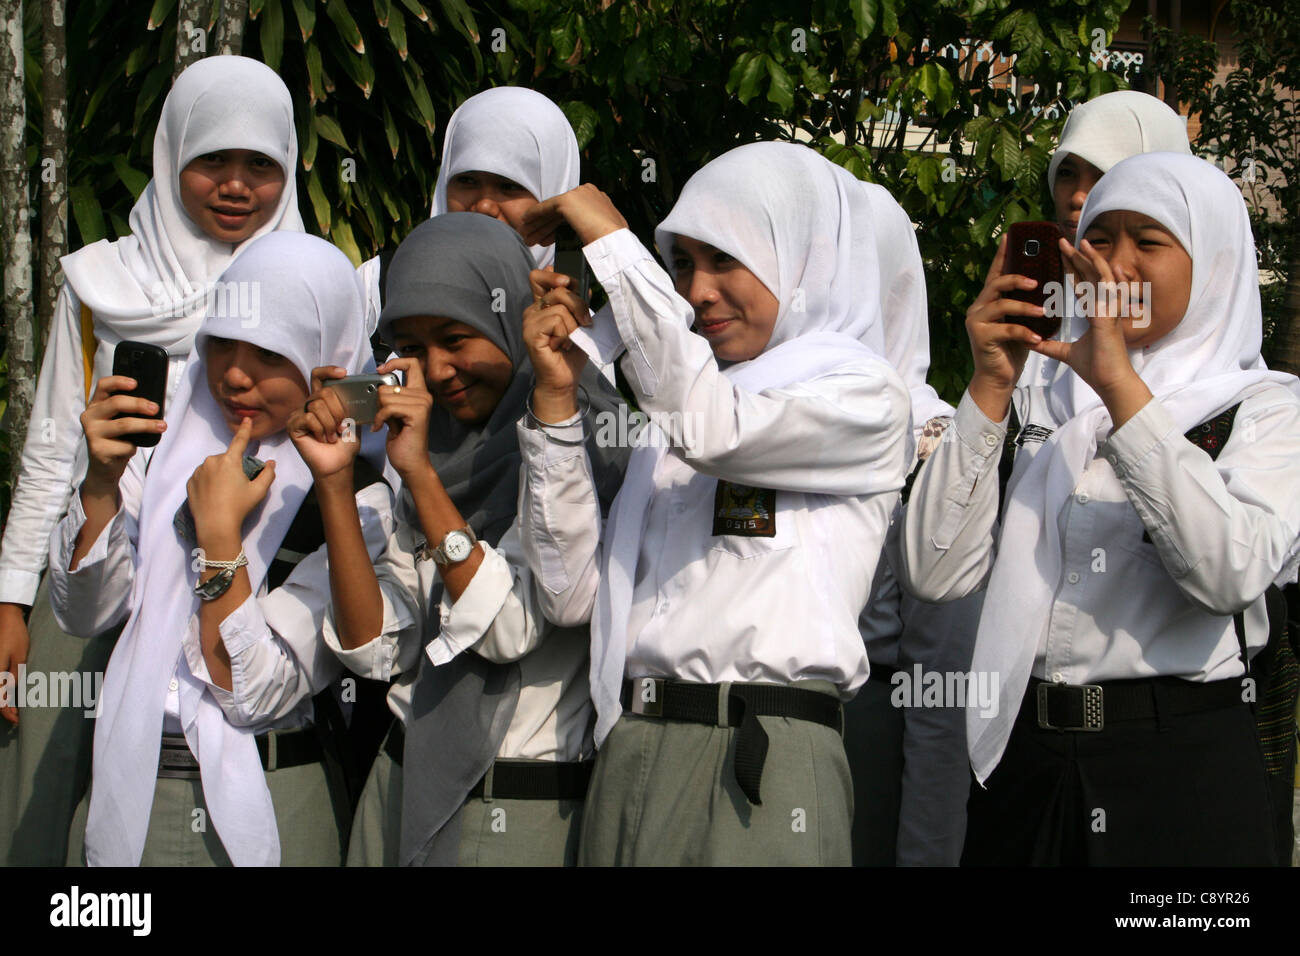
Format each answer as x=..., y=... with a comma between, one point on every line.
x=279, y=750
x=535, y=780
x=395, y=742
x=1091, y=707
x=745, y=703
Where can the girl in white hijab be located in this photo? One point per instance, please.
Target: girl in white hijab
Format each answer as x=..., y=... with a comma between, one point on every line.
x=504, y=149
x=1125, y=550
x=741, y=547
x=226, y=678
x=224, y=158
x=1097, y=135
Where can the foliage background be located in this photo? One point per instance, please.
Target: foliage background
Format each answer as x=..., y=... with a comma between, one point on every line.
x=654, y=90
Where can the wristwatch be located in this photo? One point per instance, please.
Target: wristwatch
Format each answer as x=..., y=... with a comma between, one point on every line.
x=455, y=547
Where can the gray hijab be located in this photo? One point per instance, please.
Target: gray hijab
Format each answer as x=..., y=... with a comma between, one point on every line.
x=474, y=269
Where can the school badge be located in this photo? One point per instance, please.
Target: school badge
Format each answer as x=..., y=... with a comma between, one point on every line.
x=745, y=511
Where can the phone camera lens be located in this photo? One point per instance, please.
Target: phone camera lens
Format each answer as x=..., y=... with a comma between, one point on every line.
x=1031, y=247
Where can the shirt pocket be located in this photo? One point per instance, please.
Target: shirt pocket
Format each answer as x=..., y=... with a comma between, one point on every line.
x=751, y=522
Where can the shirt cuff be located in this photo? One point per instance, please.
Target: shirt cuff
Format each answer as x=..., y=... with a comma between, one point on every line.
x=377, y=658
x=1133, y=441
x=609, y=255
x=19, y=587
x=551, y=443
x=464, y=623
x=980, y=434
x=71, y=526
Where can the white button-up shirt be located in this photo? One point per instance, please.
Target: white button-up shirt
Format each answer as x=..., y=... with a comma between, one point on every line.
x=705, y=607
x=277, y=658
x=1126, y=607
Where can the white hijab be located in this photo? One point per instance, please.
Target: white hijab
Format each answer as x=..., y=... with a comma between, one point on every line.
x=1207, y=363
x=311, y=308
x=152, y=285
x=1118, y=125
x=905, y=310
x=788, y=217
x=516, y=133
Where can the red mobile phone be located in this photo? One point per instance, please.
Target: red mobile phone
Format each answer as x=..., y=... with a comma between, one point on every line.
x=147, y=364
x=1034, y=251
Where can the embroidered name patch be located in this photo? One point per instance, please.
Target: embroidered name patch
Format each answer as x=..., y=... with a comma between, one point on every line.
x=745, y=511
x=1033, y=433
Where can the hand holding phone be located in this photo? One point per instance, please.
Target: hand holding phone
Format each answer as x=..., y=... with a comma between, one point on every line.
x=147, y=364
x=570, y=261
x=359, y=394
x=1034, y=251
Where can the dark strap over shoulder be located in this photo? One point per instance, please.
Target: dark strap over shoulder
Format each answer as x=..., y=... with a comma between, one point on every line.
x=306, y=534
x=1008, y=459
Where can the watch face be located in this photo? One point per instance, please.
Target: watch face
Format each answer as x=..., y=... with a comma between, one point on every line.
x=456, y=546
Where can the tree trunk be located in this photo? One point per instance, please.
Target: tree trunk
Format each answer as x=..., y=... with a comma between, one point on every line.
x=1286, y=353
x=15, y=237
x=54, y=160
x=230, y=27
x=191, y=33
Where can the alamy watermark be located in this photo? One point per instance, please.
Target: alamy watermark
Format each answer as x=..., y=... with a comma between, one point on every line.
x=625, y=428
x=75, y=689
x=1122, y=300
x=229, y=299
x=922, y=688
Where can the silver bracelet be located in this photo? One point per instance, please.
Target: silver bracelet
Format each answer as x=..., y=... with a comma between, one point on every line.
x=240, y=562
x=532, y=421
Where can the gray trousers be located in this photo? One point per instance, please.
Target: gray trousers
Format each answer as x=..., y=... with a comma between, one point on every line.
x=45, y=760
x=873, y=740
x=664, y=793
x=493, y=832
x=310, y=813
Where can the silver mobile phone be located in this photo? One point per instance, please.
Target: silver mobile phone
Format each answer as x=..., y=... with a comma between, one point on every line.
x=360, y=394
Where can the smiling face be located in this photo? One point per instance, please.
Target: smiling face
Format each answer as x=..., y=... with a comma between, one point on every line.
x=1075, y=178
x=734, y=310
x=490, y=195
x=232, y=193
x=253, y=383
x=464, y=370
x=1141, y=250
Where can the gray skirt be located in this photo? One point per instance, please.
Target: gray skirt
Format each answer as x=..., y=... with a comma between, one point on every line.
x=664, y=793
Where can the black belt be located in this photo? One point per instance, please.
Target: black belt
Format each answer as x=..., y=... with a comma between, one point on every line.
x=279, y=750
x=701, y=704
x=395, y=742
x=535, y=780
x=1091, y=707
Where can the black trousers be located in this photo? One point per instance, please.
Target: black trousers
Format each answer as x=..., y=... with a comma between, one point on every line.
x=1174, y=790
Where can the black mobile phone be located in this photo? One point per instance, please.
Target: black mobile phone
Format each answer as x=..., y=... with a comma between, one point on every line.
x=570, y=261
x=147, y=364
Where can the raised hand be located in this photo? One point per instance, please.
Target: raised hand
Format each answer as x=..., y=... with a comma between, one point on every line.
x=109, y=452
x=405, y=410
x=321, y=431
x=588, y=210
x=554, y=315
x=999, y=346
x=220, y=494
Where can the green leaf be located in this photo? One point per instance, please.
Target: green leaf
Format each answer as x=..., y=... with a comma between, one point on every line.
x=869, y=110
x=319, y=203
x=151, y=89
x=390, y=131
x=397, y=32
x=864, y=16
x=162, y=9
x=329, y=129
x=888, y=18
x=337, y=11
x=315, y=74
x=744, y=76
x=417, y=9
x=132, y=179
x=781, y=89
x=583, y=119
x=814, y=82
x=383, y=9
x=255, y=8
x=423, y=103
x=341, y=235
x=312, y=145
x=87, y=213
x=138, y=58
x=461, y=18
x=305, y=12
x=271, y=34
x=1006, y=152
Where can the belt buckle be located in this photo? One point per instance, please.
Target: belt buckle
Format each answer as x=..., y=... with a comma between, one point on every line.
x=639, y=704
x=1093, y=711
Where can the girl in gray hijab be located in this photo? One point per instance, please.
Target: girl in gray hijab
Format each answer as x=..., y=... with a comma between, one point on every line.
x=488, y=758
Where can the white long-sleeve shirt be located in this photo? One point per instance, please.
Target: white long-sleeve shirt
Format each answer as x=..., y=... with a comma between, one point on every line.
x=1126, y=607
x=277, y=658
x=54, y=454
x=725, y=607
x=498, y=616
